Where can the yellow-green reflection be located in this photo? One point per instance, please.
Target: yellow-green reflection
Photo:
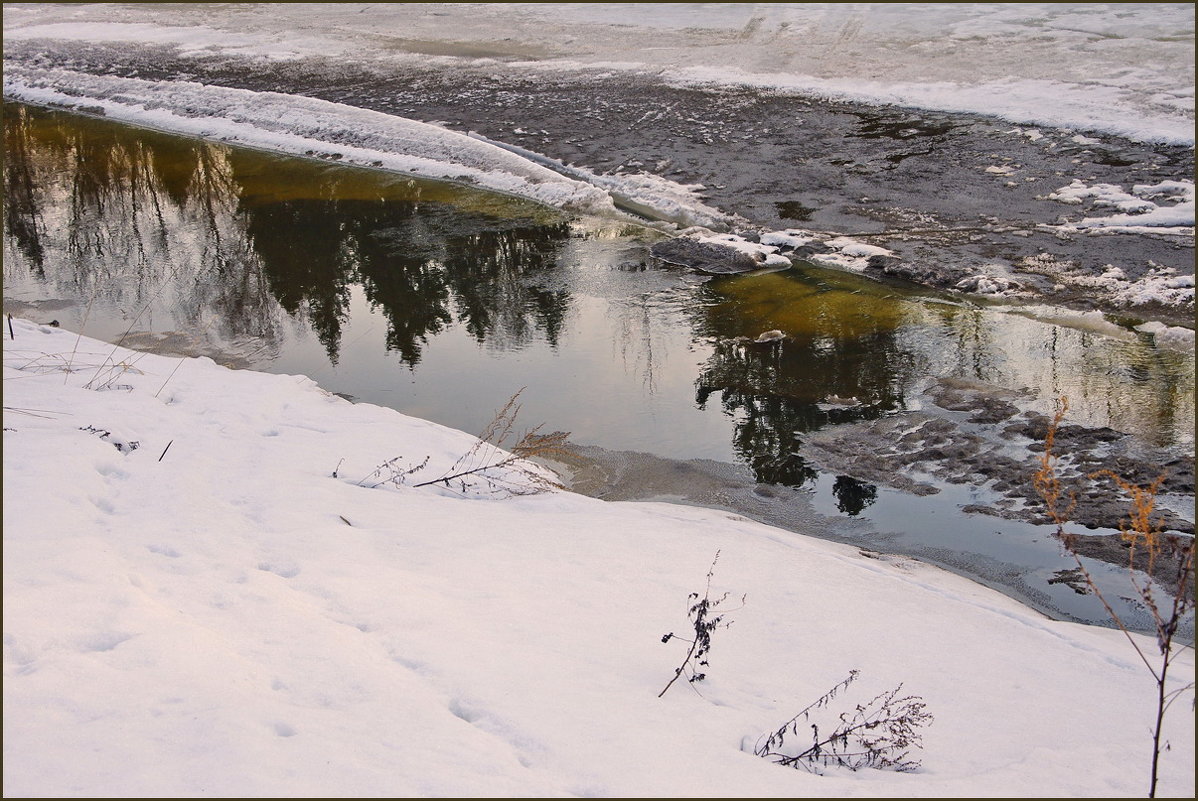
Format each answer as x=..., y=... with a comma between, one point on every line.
x=807, y=305
x=855, y=349
x=116, y=152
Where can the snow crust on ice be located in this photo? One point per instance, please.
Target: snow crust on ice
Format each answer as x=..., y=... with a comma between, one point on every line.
x=995, y=281
x=765, y=253
x=304, y=126
x=201, y=599
x=1160, y=285
x=1125, y=69
x=1035, y=102
x=1173, y=337
x=791, y=238
x=839, y=252
x=1139, y=211
x=1094, y=321
x=642, y=193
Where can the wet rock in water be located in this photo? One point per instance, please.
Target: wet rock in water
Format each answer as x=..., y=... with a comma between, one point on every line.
x=1073, y=579
x=986, y=403
x=706, y=257
x=998, y=448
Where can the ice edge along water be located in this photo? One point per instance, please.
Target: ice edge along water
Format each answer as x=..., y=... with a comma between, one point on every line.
x=1043, y=64
x=310, y=127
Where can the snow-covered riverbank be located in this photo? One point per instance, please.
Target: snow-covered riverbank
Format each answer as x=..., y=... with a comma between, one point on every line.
x=201, y=598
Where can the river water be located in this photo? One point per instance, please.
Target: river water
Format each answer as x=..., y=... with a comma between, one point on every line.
x=442, y=302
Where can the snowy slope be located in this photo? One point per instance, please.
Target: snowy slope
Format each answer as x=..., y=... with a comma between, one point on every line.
x=196, y=605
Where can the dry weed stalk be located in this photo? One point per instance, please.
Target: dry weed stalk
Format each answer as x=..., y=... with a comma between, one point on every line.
x=490, y=466
x=488, y=460
x=877, y=734
x=703, y=624
x=1141, y=531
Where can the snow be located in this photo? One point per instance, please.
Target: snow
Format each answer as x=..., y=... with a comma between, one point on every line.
x=643, y=193
x=1125, y=69
x=1169, y=336
x=1138, y=214
x=765, y=253
x=992, y=282
x=839, y=252
x=303, y=126
x=791, y=238
x=201, y=599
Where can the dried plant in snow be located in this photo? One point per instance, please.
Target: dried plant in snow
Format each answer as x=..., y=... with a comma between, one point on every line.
x=703, y=623
x=877, y=734
x=489, y=467
x=390, y=472
x=1141, y=532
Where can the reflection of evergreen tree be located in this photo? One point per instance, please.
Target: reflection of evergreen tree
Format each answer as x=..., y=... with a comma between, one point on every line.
x=300, y=245
x=766, y=436
x=841, y=362
x=852, y=496
x=776, y=393
x=397, y=262
x=415, y=263
x=489, y=272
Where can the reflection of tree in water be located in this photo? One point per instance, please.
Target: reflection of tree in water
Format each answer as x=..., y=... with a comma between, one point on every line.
x=302, y=260
x=141, y=222
x=150, y=222
x=490, y=271
x=400, y=273
x=22, y=218
x=416, y=263
x=852, y=496
x=779, y=391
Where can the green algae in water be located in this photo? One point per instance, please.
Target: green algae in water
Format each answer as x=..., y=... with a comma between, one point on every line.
x=806, y=305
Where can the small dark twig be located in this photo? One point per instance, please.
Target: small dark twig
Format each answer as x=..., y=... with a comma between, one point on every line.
x=696, y=655
x=164, y=450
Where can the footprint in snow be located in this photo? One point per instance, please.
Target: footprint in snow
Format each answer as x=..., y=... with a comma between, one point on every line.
x=103, y=640
x=524, y=747
x=280, y=567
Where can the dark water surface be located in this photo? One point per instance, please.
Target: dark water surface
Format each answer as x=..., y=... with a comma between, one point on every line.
x=442, y=302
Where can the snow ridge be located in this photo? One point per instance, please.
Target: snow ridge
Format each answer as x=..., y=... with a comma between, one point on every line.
x=304, y=126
